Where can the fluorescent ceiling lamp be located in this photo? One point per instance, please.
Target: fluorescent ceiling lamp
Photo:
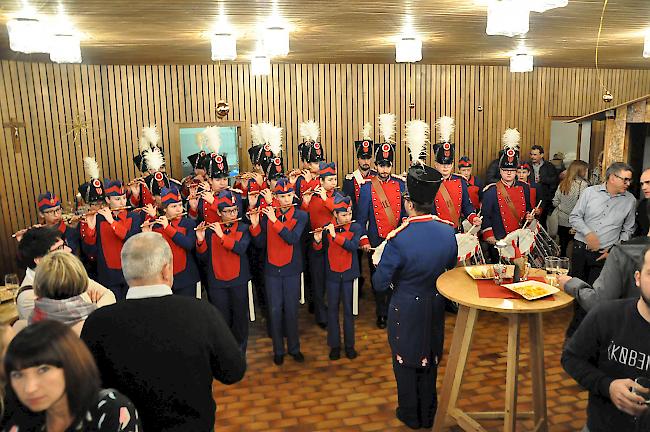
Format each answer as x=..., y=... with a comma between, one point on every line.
x=521, y=63
x=544, y=5
x=27, y=32
x=260, y=64
x=224, y=46
x=646, y=45
x=408, y=49
x=276, y=37
x=507, y=18
x=65, y=48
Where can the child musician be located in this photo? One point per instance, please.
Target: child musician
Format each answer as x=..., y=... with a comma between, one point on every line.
x=49, y=211
x=279, y=231
x=222, y=248
x=106, y=232
x=341, y=272
x=178, y=230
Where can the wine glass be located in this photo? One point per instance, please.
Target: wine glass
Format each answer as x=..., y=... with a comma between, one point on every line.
x=563, y=264
x=12, y=284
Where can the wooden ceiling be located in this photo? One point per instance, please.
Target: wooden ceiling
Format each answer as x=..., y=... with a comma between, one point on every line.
x=346, y=31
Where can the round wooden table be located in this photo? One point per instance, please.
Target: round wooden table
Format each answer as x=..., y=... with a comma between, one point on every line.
x=458, y=286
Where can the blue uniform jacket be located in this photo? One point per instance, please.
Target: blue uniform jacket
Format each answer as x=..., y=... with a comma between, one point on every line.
x=414, y=256
x=350, y=190
x=182, y=250
x=341, y=265
x=367, y=213
x=288, y=237
x=233, y=261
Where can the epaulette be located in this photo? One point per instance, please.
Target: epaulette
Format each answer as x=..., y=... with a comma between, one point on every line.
x=488, y=186
x=239, y=191
x=349, y=177
x=444, y=221
x=398, y=177
x=397, y=230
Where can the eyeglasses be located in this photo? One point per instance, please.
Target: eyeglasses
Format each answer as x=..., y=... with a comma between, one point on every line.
x=626, y=180
x=52, y=211
x=229, y=211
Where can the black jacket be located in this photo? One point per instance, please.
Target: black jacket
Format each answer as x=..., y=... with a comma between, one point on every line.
x=642, y=218
x=547, y=184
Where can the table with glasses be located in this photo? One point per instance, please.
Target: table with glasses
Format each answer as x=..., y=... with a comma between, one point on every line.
x=458, y=286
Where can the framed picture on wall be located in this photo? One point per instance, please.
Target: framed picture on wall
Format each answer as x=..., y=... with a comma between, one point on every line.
x=186, y=138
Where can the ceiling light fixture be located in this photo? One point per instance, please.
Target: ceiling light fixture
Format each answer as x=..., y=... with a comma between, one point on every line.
x=646, y=45
x=224, y=41
x=260, y=62
x=27, y=32
x=508, y=18
x=408, y=49
x=276, y=35
x=544, y=5
x=521, y=62
x=65, y=44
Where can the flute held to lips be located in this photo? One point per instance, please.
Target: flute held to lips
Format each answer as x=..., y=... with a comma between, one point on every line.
x=335, y=226
x=208, y=226
x=157, y=221
x=259, y=209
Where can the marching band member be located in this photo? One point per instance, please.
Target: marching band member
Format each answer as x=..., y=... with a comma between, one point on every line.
x=203, y=206
x=197, y=161
x=107, y=230
x=279, y=231
x=259, y=154
x=157, y=179
x=139, y=193
x=506, y=203
x=353, y=181
x=381, y=206
x=311, y=154
x=474, y=184
x=340, y=243
x=452, y=200
x=416, y=318
x=178, y=230
x=49, y=211
x=222, y=248
x=523, y=175
x=319, y=204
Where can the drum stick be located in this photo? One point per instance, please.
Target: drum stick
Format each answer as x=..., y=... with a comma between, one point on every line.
x=251, y=305
x=532, y=212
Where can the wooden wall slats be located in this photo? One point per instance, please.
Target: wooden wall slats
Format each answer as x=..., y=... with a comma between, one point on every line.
x=118, y=101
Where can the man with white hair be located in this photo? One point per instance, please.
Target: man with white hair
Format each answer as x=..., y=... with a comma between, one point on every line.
x=160, y=349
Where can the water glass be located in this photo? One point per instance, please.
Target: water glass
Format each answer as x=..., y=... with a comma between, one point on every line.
x=563, y=265
x=12, y=283
x=551, y=265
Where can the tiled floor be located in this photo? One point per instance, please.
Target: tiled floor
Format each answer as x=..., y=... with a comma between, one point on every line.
x=360, y=394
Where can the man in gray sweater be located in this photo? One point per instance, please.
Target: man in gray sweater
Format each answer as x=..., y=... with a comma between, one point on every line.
x=616, y=280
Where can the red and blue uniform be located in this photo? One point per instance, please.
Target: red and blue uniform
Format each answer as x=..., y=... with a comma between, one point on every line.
x=228, y=275
x=283, y=267
x=498, y=220
x=341, y=270
x=475, y=191
x=352, y=187
x=71, y=236
x=457, y=188
x=207, y=212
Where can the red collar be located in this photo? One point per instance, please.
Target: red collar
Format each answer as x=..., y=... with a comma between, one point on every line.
x=421, y=218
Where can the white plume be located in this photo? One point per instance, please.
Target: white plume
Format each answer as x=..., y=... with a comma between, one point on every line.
x=417, y=137
x=511, y=139
x=152, y=135
x=266, y=131
x=256, y=134
x=212, y=138
x=445, y=126
x=367, y=131
x=309, y=131
x=275, y=140
x=387, y=126
x=143, y=145
x=91, y=168
x=200, y=140
x=154, y=159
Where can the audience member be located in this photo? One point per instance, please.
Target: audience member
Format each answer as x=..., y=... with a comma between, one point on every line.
x=161, y=350
x=56, y=381
x=642, y=209
x=36, y=244
x=545, y=176
x=61, y=289
x=6, y=335
x=566, y=197
x=602, y=217
x=608, y=352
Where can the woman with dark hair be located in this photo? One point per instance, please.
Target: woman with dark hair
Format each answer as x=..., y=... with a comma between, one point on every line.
x=55, y=378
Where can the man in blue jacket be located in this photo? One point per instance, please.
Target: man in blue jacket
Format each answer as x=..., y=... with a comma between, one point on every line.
x=416, y=253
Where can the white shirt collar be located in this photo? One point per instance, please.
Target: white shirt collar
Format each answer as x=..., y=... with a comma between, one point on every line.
x=147, y=291
x=29, y=278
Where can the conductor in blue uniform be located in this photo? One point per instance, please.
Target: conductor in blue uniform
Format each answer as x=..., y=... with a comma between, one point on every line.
x=416, y=253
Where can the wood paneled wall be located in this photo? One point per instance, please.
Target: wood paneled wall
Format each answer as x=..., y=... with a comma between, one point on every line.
x=117, y=101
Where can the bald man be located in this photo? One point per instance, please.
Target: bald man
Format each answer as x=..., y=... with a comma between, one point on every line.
x=642, y=210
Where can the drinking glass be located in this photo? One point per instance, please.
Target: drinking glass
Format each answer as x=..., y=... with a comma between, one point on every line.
x=645, y=383
x=499, y=273
x=12, y=284
x=563, y=266
x=551, y=264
